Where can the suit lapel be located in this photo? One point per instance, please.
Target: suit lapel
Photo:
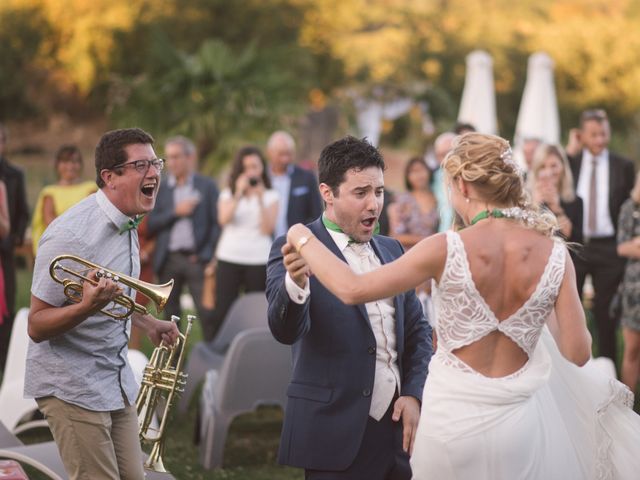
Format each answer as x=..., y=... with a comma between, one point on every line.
x=321, y=233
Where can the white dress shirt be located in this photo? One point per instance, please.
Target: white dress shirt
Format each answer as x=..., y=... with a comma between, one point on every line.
x=362, y=258
x=604, y=225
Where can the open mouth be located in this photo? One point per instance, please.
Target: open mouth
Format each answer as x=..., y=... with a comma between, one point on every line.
x=148, y=189
x=369, y=222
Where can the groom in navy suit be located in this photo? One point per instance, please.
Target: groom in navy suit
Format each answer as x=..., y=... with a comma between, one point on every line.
x=358, y=371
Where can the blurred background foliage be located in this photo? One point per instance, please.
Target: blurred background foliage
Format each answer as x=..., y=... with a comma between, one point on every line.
x=225, y=72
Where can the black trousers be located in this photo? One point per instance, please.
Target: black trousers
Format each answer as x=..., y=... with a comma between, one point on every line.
x=9, y=272
x=231, y=278
x=600, y=259
x=380, y=456
x=186, y=270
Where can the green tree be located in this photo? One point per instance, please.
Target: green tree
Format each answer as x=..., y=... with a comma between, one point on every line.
x=219, y=96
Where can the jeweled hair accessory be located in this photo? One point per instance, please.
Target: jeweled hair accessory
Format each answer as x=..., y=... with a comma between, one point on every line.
x=507, y=157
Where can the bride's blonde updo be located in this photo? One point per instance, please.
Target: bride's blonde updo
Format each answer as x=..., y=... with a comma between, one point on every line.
x=486, y=162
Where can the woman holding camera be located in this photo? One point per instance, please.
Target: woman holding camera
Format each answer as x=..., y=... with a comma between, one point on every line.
x=247, y=212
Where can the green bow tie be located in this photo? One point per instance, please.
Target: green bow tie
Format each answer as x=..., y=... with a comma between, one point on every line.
x=335, y=228
x=131, y=224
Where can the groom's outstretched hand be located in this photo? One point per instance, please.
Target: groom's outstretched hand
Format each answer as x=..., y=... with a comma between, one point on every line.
x=408, y=409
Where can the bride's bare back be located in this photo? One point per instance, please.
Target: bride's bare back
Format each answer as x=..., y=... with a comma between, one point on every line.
x=506, y=262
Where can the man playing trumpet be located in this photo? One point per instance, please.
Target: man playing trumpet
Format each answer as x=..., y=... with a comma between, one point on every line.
x=77, y=368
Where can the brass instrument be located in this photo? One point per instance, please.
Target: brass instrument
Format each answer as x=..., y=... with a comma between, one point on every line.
x=158, y=294
x=162, y=375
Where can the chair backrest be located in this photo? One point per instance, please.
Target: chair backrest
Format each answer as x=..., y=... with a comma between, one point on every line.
x=256, y=370
x=18, y=345
x=248, y=311
x=13, y=406
x=8, y=439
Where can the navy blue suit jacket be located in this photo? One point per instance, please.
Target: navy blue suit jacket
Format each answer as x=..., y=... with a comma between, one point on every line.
x=305, y=203
x=205, y=220
x=334, y=361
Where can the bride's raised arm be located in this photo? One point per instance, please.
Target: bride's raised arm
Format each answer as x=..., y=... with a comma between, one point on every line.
x=424, y=261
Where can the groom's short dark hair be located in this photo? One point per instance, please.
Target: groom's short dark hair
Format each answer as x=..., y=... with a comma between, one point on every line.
x=343, y=155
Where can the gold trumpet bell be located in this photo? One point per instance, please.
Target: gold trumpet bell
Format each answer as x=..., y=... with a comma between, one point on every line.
x=158, y=294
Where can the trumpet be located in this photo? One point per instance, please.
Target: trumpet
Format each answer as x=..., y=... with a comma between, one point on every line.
x=158, y=294
x=162, y=375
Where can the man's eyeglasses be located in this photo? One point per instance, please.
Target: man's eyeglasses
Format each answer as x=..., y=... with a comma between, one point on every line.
x=142, y=166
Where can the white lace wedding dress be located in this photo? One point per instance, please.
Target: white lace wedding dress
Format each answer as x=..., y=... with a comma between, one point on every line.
x=549, y=420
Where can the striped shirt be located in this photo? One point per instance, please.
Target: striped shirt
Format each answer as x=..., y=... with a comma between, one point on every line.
x=87, y=365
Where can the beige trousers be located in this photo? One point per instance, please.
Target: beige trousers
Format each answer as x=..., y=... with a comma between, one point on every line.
x=95, y=445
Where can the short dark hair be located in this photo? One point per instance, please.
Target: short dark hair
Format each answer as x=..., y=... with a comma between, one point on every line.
x=111, y=149
x=237, y=167
x=417, y=161
x=462, y=127
x=67, y=152
x=595, y=114
x=343, y=155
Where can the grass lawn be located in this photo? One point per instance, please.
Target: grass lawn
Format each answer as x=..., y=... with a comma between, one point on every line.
x=251, y=447
x=252, y=444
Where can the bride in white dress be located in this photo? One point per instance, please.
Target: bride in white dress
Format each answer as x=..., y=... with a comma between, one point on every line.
x=510, y=393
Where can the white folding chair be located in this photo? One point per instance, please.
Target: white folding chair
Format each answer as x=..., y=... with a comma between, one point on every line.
x=255, y=371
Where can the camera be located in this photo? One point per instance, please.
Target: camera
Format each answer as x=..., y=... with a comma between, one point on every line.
x=253, y=181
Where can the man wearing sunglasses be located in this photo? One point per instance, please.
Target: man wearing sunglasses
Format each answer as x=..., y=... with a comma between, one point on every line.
x=77, y=367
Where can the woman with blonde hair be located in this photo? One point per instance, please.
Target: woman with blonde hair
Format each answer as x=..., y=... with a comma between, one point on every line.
x=502, y=398
x=629, y=290
x=551, y=185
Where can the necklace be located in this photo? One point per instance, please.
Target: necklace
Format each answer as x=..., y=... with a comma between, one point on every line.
x=516, y=213
x=495, y=213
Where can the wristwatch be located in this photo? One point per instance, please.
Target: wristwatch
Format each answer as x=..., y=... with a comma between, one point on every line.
x=301, y=243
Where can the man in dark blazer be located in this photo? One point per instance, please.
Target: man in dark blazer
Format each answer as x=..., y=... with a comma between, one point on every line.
x=185, y=222
x=299, y=197
x=18, y=209
x=358, y=371
x=604, y=181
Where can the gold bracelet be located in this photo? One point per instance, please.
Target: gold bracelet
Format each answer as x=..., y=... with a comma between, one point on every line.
x=302, y=241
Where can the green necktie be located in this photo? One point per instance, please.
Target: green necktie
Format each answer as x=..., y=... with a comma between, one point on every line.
x=131, y=224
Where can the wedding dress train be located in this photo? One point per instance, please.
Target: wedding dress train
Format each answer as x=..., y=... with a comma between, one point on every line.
x=549, y=420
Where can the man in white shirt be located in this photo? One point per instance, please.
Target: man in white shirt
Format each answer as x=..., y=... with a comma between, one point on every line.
x=359, y=371
x=604, y=181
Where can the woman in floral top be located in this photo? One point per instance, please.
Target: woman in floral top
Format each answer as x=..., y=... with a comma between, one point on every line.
x=629, y=247
x=414, y=215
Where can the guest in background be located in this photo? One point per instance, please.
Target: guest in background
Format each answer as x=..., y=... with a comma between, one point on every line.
x=298, y=189
x=574, y=145
x=414, y=214
x=529, y=147
x=18, y=210
x=442, y=146
x=551, y=184
x=55, y=199
x=604, y=181
x=460, y=128
x=5, y=229
x=185, y=224
x=247, y=212
x=147, y=246
x=629, y=248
